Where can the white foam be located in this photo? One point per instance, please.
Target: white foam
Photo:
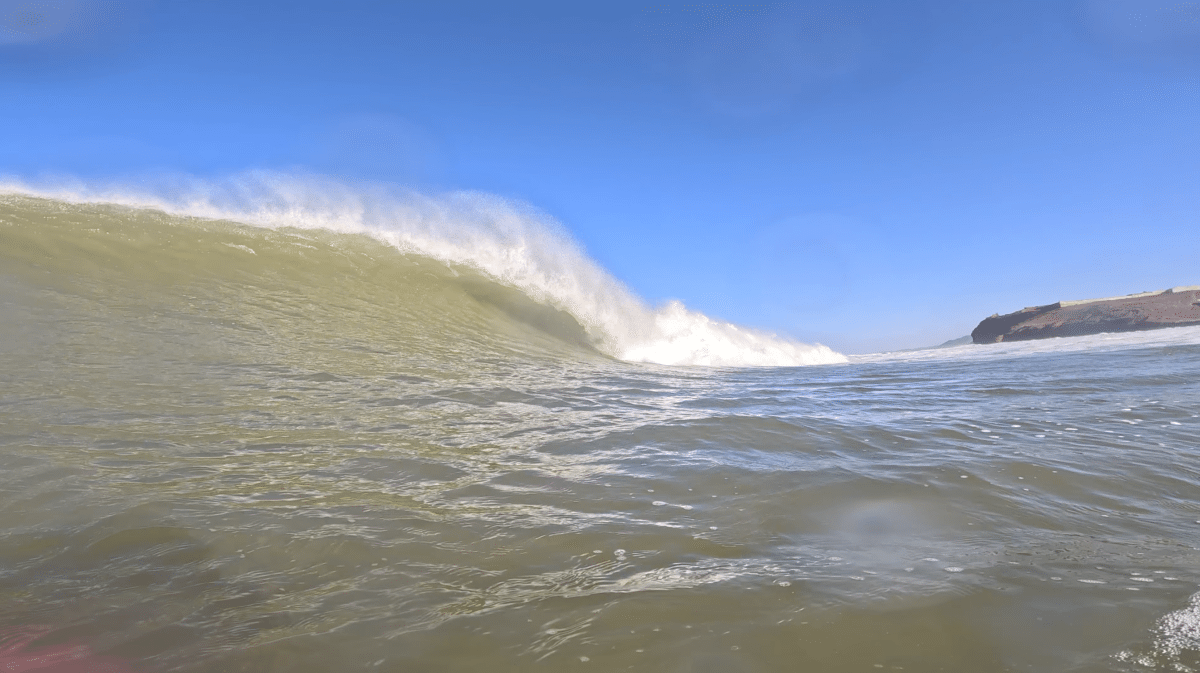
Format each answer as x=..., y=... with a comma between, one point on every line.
x=1106, y=342
x=508, y=241
x=1179, y=632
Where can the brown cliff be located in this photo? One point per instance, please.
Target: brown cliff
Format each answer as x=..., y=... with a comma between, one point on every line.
x=1177, y=307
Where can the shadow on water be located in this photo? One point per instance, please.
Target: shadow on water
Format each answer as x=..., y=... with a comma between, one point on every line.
x=518, y=306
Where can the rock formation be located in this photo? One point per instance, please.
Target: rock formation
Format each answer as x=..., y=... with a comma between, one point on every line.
x=1177, y=307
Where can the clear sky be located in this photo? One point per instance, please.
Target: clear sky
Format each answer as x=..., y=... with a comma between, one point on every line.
x=869, y=175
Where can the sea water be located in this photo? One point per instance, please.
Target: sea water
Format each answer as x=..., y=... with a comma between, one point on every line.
x=269, y=431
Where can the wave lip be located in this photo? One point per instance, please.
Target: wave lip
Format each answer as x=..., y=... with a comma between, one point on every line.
x=507, y=241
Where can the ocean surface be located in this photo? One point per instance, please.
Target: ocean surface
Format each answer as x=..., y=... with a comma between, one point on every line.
x=289, y=428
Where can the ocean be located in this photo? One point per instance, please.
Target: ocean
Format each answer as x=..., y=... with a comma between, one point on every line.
x=285, y=426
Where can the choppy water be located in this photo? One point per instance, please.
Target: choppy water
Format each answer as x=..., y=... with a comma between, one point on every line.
x=237, y=448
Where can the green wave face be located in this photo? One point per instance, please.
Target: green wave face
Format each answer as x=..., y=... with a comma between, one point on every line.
x=95, y=283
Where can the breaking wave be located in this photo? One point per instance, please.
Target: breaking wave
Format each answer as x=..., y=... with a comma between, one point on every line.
x=500, y=241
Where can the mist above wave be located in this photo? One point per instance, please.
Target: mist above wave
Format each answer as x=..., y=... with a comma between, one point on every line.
x=508, y=241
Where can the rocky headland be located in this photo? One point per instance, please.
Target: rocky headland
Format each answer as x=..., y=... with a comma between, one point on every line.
x=1176, y=307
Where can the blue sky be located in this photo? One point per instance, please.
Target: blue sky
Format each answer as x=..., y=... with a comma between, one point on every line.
x=869, y=175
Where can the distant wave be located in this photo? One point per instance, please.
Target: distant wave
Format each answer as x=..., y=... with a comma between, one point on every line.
x=1091, y=343
x=511, y=243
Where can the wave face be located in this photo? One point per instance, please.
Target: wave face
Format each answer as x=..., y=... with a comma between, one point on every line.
x=469, y=249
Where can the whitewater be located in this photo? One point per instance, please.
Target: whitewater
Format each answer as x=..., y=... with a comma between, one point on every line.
x=278, y=423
